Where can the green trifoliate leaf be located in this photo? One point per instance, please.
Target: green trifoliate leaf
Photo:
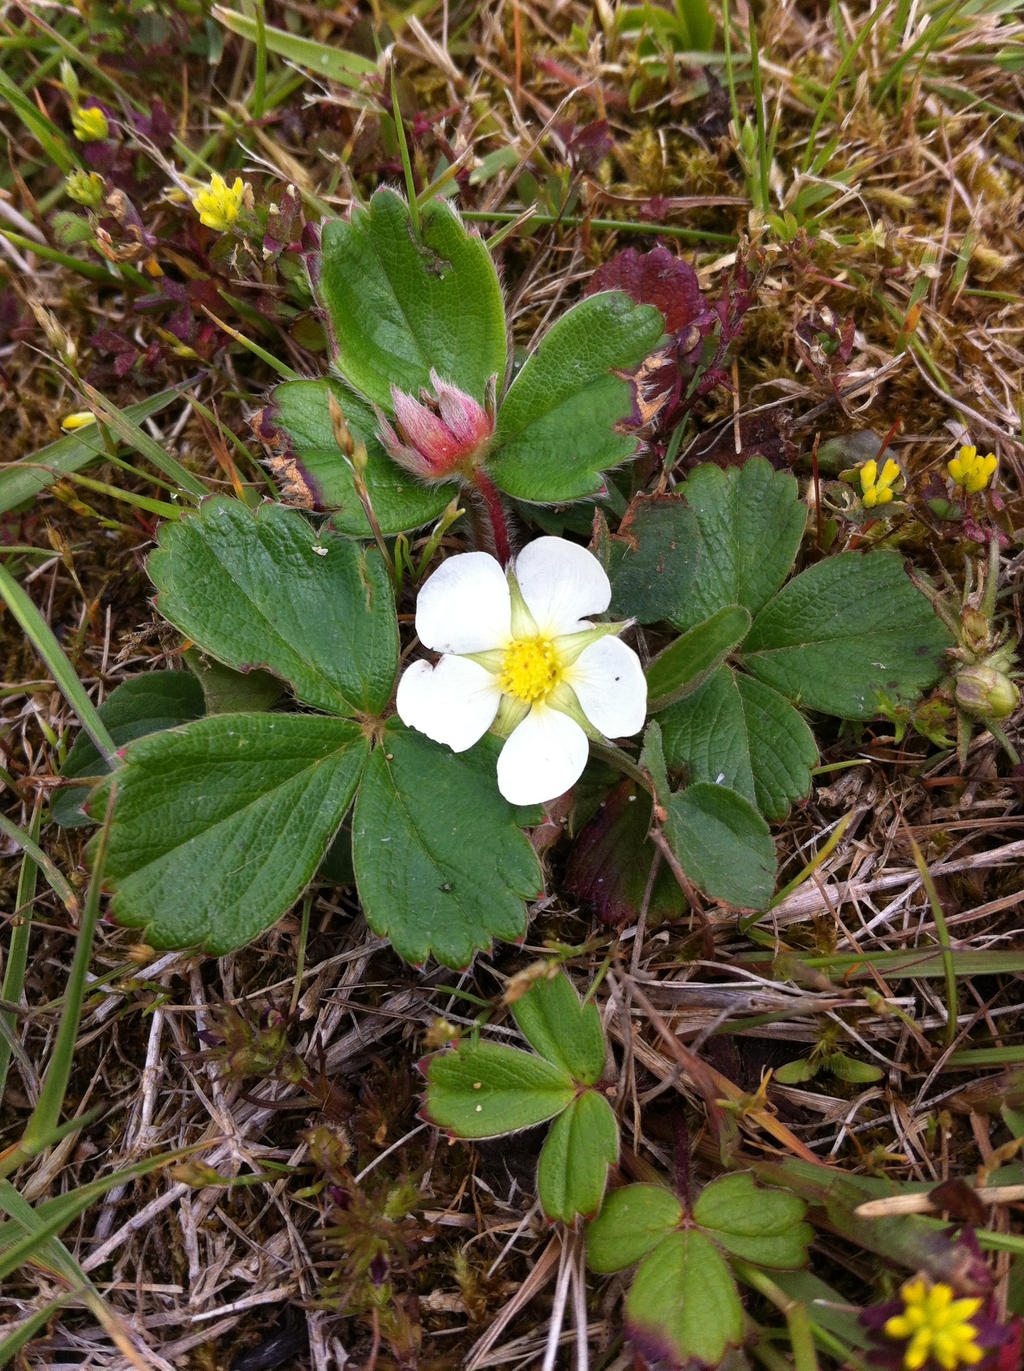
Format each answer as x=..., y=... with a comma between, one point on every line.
x=481, y=1090
x=737, y=732
x=556, y=429
x=654, y=558
x=843, y=631
x=313, y=473
x=751, y=521
x=399, y=304
x=441, y=866
x=218, y=826
x=683, y=1305
x=684, y=666
x=566, y=1032
x=574, y=1161
x=145, y=704
x=722, y=844
x=631, y=1223
x=761, y=1225
x=263, y=589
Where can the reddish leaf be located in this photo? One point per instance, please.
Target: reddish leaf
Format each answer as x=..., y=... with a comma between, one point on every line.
x=611, y=862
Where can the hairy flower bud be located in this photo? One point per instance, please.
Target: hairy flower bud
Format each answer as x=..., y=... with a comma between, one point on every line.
x=437, y=435
x=986, y=693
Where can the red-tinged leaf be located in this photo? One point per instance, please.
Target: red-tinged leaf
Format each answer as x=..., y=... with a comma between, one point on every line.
x=611, y=863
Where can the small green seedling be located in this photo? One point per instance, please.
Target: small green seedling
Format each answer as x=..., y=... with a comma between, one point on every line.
x=683, y=1305
x=481, y=1089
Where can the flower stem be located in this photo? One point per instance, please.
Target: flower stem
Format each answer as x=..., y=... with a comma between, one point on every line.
x=488, y=492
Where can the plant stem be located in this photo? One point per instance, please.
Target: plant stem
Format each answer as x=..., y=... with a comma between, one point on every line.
x=488, y=492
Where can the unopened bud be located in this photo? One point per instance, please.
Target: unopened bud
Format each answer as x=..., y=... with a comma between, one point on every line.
x=342, y=432
x=986, y=693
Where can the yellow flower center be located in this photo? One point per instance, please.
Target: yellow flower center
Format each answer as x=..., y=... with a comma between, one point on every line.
x=937, y=1326
x=530, y=670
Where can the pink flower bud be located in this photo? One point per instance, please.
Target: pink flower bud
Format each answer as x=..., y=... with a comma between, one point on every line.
x=438, y=435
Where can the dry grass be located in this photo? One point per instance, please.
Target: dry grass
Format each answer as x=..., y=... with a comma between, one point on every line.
x=918, y=237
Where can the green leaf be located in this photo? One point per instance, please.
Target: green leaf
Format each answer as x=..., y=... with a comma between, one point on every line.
x=21, y=480
x=263, y=589
x=734, y=731
x=844, y=630
x=632, y=1222
x=751, y=522
x=556, y=429
x=481, y=1090
x=761, y=1225
x=398, y=305
x=144, y=704
x=683, y=1305
x=326, y=61
x=687, y=663
x=574, y=1161
x=219, y=825
x=313, y=473
x=797, y=1071
x=850, y=1069
x=441, y=866
x=654, y=558
x=232, y=692
x=723, y=844
x=554, y=1022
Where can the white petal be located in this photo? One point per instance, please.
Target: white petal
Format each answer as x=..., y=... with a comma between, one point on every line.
x=561, y=584
x=610, y=686
x=454, y=702
x=544, y=756
x=465, y=606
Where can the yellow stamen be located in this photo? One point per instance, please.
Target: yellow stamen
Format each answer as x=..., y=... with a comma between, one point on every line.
x=531, y=669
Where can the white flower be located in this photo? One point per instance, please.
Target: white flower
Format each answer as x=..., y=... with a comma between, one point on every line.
x=520, y=656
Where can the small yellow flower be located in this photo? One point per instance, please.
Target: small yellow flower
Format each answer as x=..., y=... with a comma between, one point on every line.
x=218, y=203
x=877, y=489
x=81, y=418
x=937, y=1327
x=84, y=187
x=970, y=471
x=90, y=125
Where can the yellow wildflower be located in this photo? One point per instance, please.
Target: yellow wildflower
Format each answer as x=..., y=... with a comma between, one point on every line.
x=90, y=125
x=876, y=489
x=80, y=418
x=937, y=1327
x=218, y=203
x=970, y=471
x=84, y=187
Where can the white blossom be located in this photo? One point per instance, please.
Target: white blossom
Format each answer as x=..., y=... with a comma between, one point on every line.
x=520, y=657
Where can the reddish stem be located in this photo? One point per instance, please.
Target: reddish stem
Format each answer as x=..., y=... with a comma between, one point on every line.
x=488, y=492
